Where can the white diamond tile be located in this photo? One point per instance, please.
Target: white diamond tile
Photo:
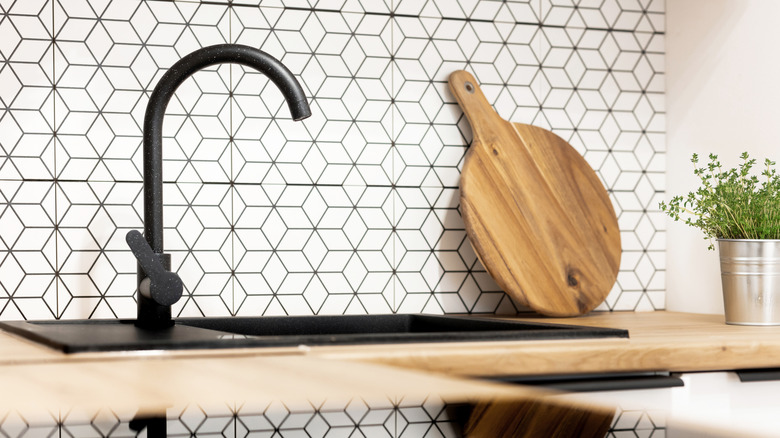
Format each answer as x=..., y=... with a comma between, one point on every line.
x=26, y=138
x=428, y=127
x=101, y=82
x=657, y=298
x=197, y=222
x=340, y=60
x=27, y=92
x=628, y=300
x=435, y=263
x=382, y=116
x=27, y=269
x=486, y=10
x=558, y=13
x=309, y=243
x=611, y=14
x=96, y=270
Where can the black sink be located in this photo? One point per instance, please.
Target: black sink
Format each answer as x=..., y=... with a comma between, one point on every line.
x=280, y=331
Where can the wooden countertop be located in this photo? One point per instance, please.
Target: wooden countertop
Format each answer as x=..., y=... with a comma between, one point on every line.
x=658, y=341
x=150, y=386
x=39, y=383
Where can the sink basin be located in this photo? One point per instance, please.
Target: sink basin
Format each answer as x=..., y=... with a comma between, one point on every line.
x=280, y=331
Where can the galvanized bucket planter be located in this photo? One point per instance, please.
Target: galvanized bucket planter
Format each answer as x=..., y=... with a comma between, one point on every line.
x=750, y=273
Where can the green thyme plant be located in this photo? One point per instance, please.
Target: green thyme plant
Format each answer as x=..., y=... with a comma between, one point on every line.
x=733, y=203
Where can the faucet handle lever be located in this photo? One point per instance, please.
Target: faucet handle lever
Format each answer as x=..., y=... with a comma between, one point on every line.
x=161, y=285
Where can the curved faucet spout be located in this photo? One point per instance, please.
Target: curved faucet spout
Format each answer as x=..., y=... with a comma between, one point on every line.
x=153, y=314
x=158, y=102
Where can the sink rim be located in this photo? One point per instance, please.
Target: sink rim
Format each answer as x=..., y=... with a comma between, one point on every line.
x=78, y=336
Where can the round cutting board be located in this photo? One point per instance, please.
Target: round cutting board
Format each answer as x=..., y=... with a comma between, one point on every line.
x=535, y=212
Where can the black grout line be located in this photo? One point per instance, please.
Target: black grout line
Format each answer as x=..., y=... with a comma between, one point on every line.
x=255, y=184
x=540, y=113
x=393, y=149
x=54, y=154
x=233, y=309
x=389, y=14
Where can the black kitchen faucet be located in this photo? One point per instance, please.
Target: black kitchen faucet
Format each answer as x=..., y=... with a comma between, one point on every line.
x=158, y=288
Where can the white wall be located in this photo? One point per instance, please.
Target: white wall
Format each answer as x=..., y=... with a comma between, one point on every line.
x=723, y=96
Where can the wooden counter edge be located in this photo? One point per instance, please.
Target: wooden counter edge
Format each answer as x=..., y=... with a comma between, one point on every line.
x=659, y=341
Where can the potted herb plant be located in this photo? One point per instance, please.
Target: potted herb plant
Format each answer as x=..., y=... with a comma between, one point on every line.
x=741, y=211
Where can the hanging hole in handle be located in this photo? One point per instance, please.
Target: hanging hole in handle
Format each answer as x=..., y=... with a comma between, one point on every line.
x=469, y=87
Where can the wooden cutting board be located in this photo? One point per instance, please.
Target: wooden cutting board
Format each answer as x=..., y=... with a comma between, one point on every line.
x=536, y=213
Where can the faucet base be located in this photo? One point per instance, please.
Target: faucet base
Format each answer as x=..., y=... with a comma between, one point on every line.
x=151, y=315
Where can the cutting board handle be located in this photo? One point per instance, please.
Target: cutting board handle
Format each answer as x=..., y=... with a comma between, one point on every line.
x=478, y=110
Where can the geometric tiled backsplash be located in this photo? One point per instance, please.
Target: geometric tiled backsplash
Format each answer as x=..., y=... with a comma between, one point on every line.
x=354, y=210
x=407, y=418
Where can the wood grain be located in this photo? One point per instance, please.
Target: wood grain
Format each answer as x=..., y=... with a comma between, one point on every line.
x=535, y=212
x=14, y=349
x=150, y=386
x=659, y=341
x=542, y=417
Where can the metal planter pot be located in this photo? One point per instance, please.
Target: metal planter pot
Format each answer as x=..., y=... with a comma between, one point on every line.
x=750, y=273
